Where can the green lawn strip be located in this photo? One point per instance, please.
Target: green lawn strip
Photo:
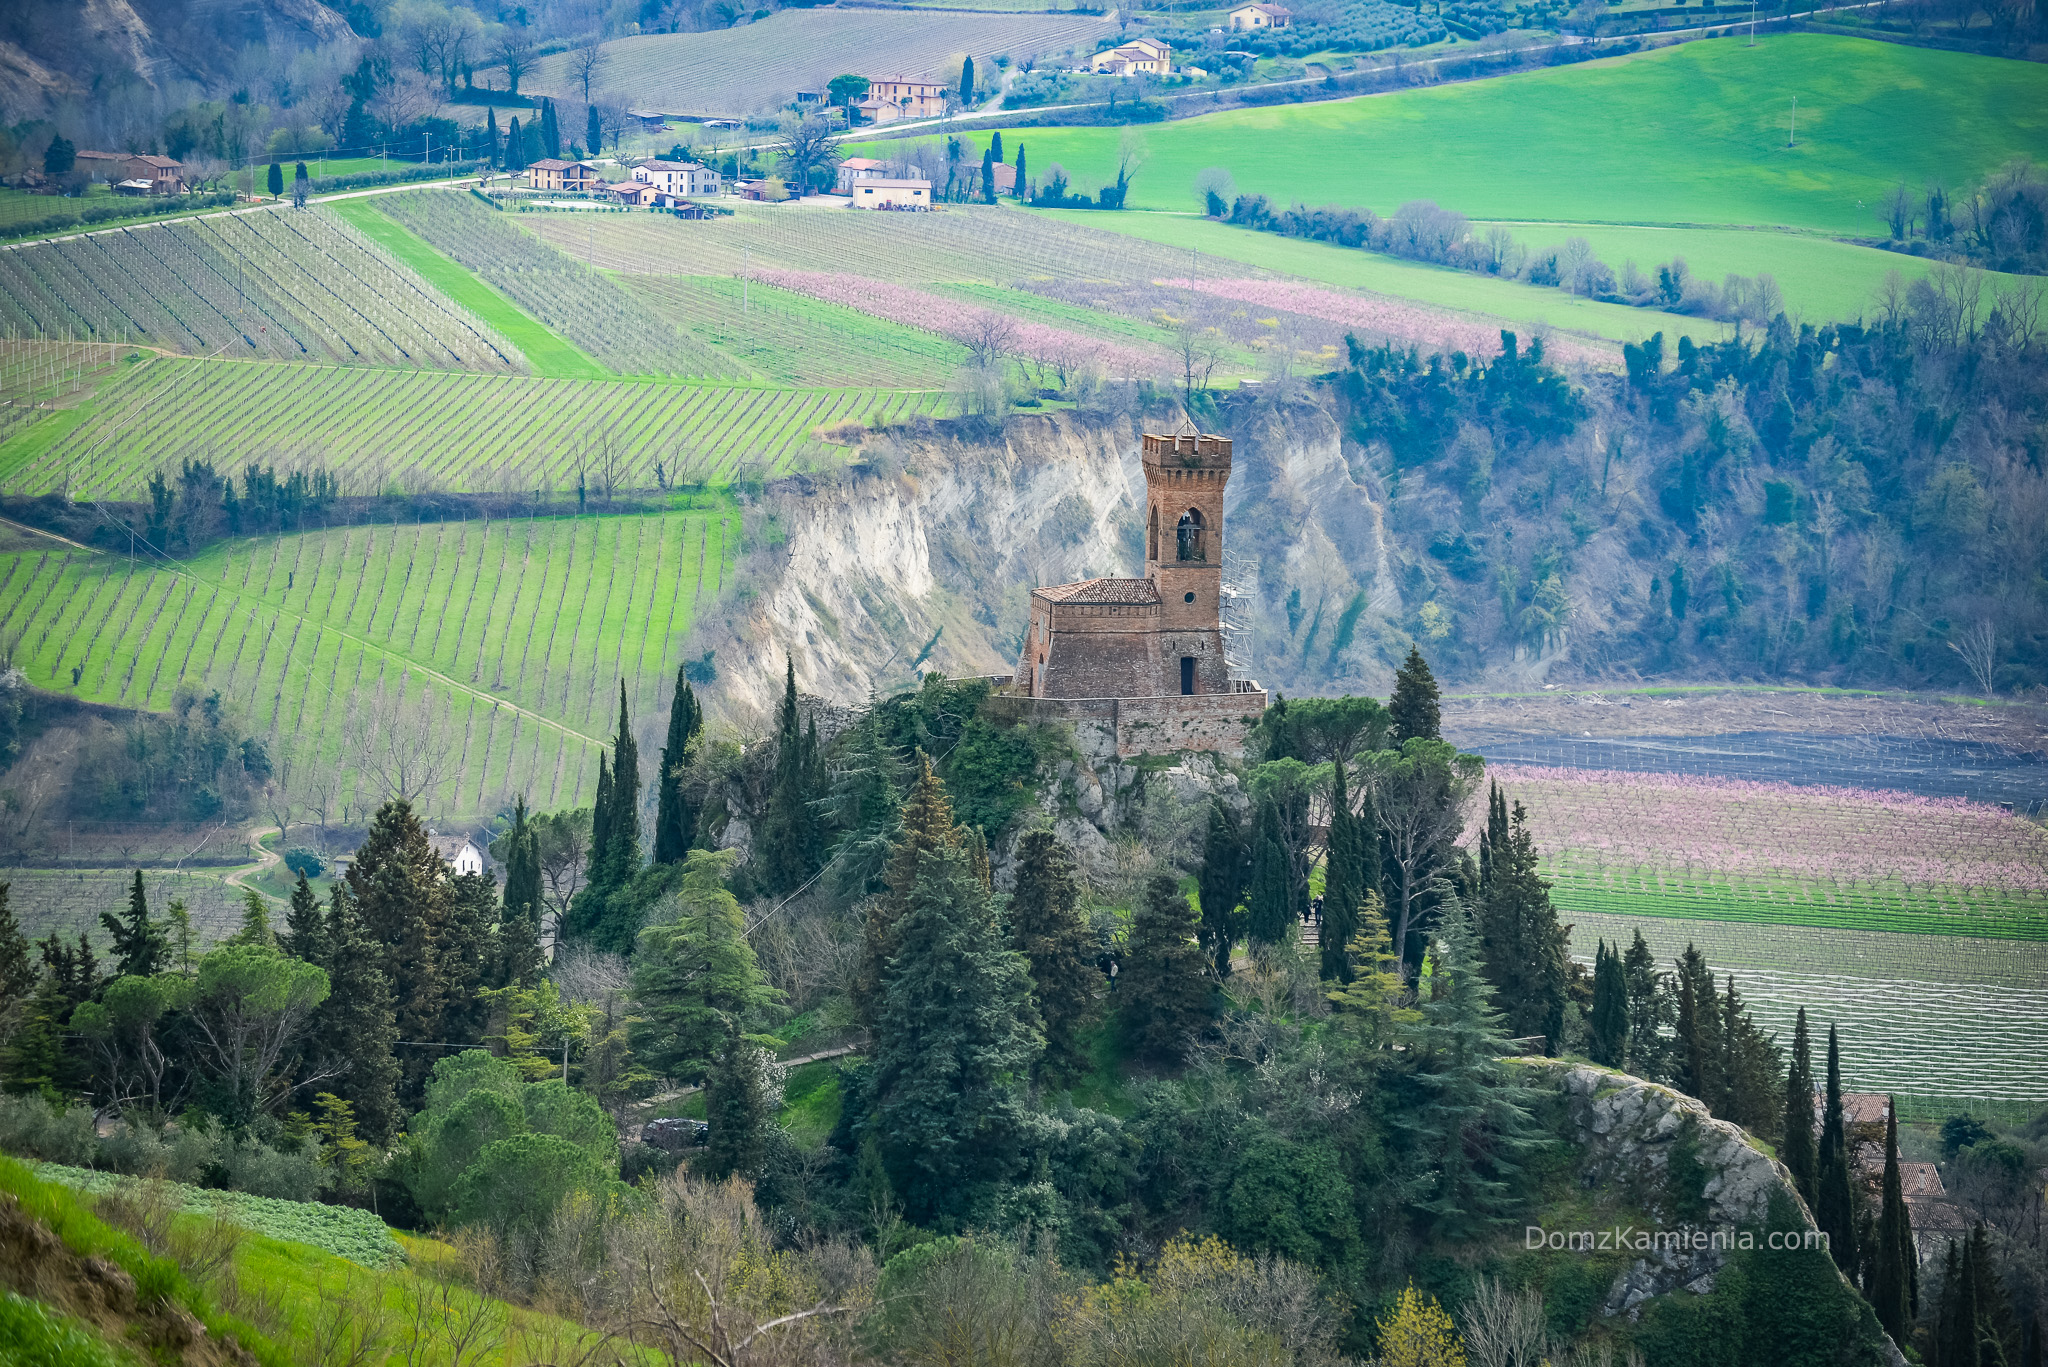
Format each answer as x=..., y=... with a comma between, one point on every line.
x=1822, y=279
x=1486, y=298
x=1980, y=913
x=547, y=352
x=811, y=1100
x=1690, y=134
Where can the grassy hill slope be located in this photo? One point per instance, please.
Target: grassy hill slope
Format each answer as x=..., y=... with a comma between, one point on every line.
x=1690, y=134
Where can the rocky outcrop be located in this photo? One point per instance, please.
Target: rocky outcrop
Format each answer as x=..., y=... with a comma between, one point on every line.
x=1627, y=1131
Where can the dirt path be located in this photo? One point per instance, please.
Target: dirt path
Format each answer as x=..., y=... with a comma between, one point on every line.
x=839, y=1051
x=266, y=860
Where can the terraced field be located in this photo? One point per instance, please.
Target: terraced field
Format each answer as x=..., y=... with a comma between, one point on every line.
x=462, y=432
x=496, y=648
x=275, y=284
x=1943, y=1020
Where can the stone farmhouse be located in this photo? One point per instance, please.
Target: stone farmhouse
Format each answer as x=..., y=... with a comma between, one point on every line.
x=1138, y=665
x=890, y=98
x=1148, y=56
x=1261, y=16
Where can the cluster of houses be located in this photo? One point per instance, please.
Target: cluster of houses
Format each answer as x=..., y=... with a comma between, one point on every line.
x=675, y=185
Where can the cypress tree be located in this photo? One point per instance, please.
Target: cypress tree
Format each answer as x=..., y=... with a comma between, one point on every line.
x=1797, y=1149
x=356, y=1025
x=492, y=145
x=1046, y=928
x=1520, y=938
x=1017, y=191
x=1414, y=711
x=1947, y=1309
x=622, y=852
x=305, y=927
x=1344, y=881
x=17, y=969
x=967, y=81
x=1963, y=1345
x=1892, y=1287
x=1164, y=992
x=675, y=817
x=593, y=131
x=515, y=147
x=399, y=888
x=533, y=148
x=1222, y=886
x=1647, y=1014
x=1270, y=897
x=1835, y=1210
x=788, y=830
x=601, y=816
x=740, y=1100
x=520, y=960
x=469, y=956
x=1698, y=1045
x=140, y=949
x=1609, y=1043
x=995, y=145
x=274, y=181
x=955, y=1038
x=1495, y=836
x=550, y=130
x=927, y=826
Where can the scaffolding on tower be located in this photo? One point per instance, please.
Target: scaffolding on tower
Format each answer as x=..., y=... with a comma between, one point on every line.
x=1238, y=594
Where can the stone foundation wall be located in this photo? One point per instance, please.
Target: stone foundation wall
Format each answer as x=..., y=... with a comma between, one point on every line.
x=1106, y=728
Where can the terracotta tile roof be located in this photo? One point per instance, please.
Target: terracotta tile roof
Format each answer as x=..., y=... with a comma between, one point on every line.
x=1102, y=591
x=1920, y=1179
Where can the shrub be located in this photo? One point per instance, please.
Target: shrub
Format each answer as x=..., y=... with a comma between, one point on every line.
x=301, y=860
x=251, y=1165
x=57, y=1134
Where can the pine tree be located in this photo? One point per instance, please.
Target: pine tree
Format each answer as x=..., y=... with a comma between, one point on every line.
x=1474, y=1122
x=520, y=961
x=675, y=816
x=1609, y=1043
x=1221, y=886
x=741, y=1097
x=788, y=842
x=694, y=973
x=356, y=1025
x=1164, y=993
x=955, y=1038
x=927, y=826
x=305, y=932
x=515, y=147
x=1414, y=710
x=593, y=131
x=1269, y=899
x=1372, y=998
x=1347, y=878
x=1046, y=928
x=1891, y=1291
x=1648, y=1010
x=1835, y=1209
x=493, y=147
x=1752, y=1091
x=140, y=949
x=865, y=798
x=550, y=130
x=398, y=887
x=1797, y=1148
x=256, y=928
x=1523, y=944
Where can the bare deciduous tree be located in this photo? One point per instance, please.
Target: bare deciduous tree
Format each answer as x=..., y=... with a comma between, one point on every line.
x=397, y=745
x=1977, y=644
x=990, y=338
x=587, y=60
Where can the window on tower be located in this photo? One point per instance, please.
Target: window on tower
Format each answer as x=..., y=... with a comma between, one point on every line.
x=1190, y=535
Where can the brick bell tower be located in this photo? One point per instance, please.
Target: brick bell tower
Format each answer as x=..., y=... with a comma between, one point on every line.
x=1185, y=476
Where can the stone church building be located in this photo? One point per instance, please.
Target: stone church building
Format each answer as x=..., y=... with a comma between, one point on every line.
x=1139, y=662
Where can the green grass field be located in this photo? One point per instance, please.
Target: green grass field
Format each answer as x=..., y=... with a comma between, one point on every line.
x=498, y=645
x=787, y=338
x=375, y=428
x=549, y=354
x=1692, y=134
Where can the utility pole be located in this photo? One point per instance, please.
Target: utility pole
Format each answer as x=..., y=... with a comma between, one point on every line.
x=1752, y=23
x=1792, y=130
